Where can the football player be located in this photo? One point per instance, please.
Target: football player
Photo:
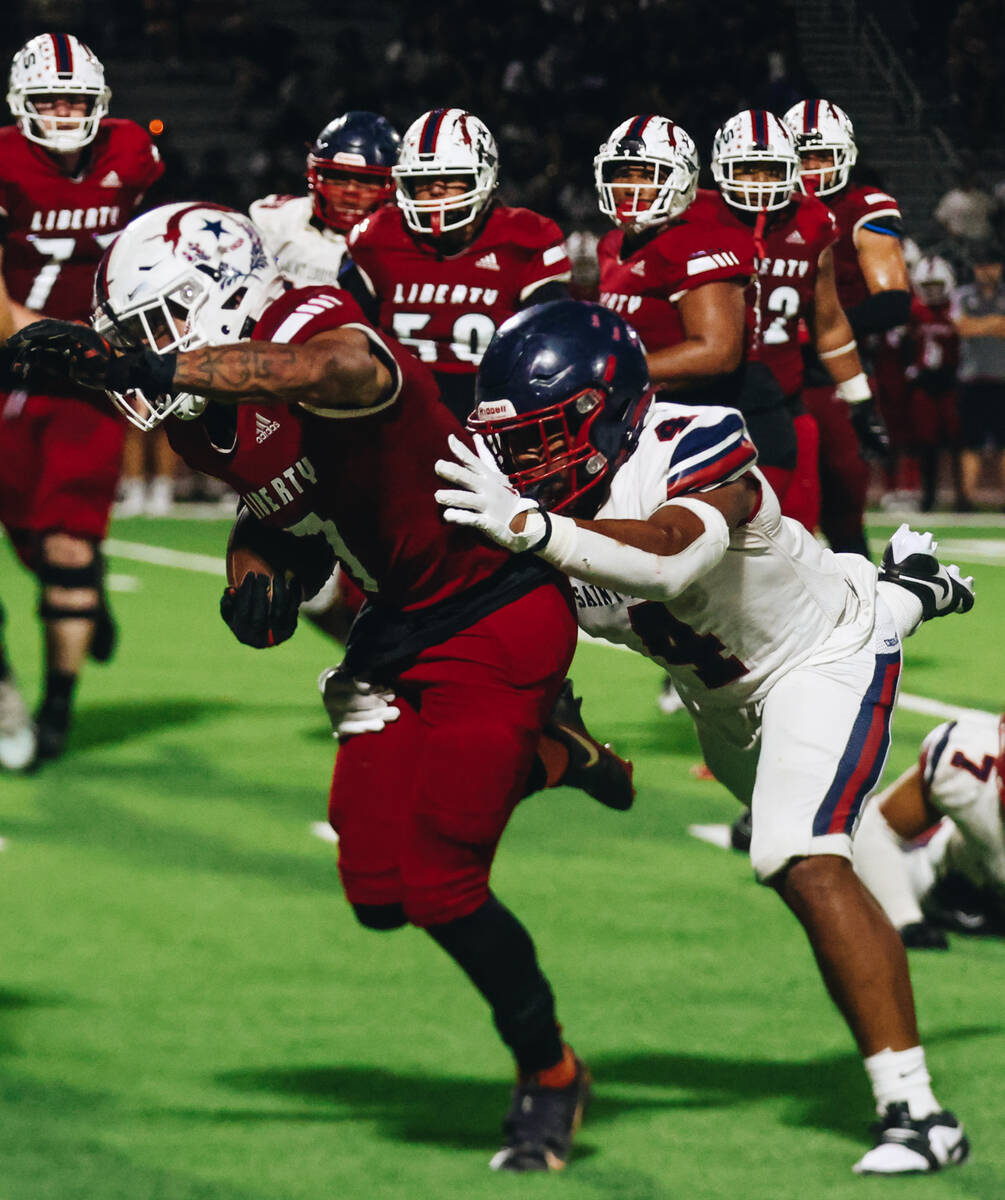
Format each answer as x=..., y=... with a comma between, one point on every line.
x=329, y=431
x=676, y=271
x=941, y=819
x=70, y=178
x=756, y=169
x=445, y=268
x=933, y=346
x=787, y=655
x=874, y=291
x=348, y=177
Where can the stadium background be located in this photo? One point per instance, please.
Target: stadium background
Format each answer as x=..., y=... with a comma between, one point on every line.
x=187, y=1009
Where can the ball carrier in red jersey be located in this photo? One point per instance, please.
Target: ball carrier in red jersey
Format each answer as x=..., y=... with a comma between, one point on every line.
x=70, y=178
x=329, y=431
x=874, y=291
x=756, y=168
x=443, y=270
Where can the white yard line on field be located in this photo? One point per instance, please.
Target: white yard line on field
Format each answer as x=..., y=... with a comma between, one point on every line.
x=206, y=564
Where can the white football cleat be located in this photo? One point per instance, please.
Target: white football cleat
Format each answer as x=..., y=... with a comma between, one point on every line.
x=17, y=734
x=910, y=562
x=913, y=1147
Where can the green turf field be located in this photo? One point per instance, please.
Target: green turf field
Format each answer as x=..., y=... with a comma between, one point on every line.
x=188, y=1010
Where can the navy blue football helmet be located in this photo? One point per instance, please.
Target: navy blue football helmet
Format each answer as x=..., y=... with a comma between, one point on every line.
x=560, y=395
x=349, y=168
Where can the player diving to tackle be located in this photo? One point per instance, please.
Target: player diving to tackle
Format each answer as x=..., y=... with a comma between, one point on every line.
x=787, y=655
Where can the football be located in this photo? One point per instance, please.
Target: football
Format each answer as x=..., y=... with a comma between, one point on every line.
x=241, y=560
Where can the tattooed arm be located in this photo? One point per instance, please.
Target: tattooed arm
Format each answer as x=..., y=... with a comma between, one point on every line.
x=337, y=369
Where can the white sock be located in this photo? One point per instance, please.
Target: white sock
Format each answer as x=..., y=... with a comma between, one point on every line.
x=904, y=606
x=899, y=1076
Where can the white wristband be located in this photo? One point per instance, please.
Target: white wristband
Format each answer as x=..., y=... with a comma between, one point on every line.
x=596, y=558
x=845, y=349
x=855, y=390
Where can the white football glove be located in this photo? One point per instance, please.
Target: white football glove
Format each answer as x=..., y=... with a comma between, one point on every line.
x=355, y=705
x=488, y=501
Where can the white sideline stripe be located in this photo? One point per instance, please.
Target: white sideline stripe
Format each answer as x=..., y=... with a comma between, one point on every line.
x=322, y=830
x=207, y=565
x=3, y=843
x=161, y=556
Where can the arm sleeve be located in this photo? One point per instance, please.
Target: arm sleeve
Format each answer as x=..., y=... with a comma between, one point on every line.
x=596, y=558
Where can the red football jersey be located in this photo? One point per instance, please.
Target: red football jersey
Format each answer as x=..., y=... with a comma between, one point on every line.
x=645, y=285
x=783, y=288
x=853, y=208
x=446, y=309
x=363, y=479
x=54, y=227
x=933, y=340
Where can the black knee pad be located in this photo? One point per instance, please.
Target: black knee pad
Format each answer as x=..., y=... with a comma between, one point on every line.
x=88, y=576
x=381, y=917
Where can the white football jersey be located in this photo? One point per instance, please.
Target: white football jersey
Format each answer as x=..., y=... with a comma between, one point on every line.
x=775, y=597
x=960, y=781
x=308, y=253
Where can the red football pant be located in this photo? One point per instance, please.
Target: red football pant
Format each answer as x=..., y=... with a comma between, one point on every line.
x=798, y=490
x=419, y=808
x=844, y=474
x=59, y=467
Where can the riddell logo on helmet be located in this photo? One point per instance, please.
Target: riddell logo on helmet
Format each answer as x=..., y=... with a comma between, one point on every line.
x=498, y=408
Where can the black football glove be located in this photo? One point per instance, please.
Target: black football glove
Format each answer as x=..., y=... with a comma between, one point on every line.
x=75, y=352
x=263, y=610
x=873, y=439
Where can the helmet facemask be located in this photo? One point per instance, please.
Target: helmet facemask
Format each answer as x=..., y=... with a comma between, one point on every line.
x=548, y=455
x=329, y=183
x=755, y=142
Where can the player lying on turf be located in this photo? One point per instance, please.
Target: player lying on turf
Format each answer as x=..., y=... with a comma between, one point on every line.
x=931, y=847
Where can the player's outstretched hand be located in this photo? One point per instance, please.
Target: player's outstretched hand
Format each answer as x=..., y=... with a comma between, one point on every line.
x=66, y=350
x=355, y=705
x=262, y=611
x=485, y=500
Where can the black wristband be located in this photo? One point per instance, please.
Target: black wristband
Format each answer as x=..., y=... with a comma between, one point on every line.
x=546, y=536
x=143, y=370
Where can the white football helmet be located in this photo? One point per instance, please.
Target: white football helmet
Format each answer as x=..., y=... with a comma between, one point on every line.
x=178, y=277
x=933, y=279
x=446, y=142
x=755, y=138
x=57, y=64
x=819, y=125
x=669, y=154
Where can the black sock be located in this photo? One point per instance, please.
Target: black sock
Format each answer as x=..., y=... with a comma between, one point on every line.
x=495, y=951
x=58, y=700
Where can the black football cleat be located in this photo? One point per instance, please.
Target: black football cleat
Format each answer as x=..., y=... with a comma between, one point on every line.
x=909, y=561
x=914, y=1147
x=921, y=935
x=541, y=1123
x=593, y=767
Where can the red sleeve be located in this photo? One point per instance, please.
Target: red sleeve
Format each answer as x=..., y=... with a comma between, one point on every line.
x=709, y=253
x=549, y=262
